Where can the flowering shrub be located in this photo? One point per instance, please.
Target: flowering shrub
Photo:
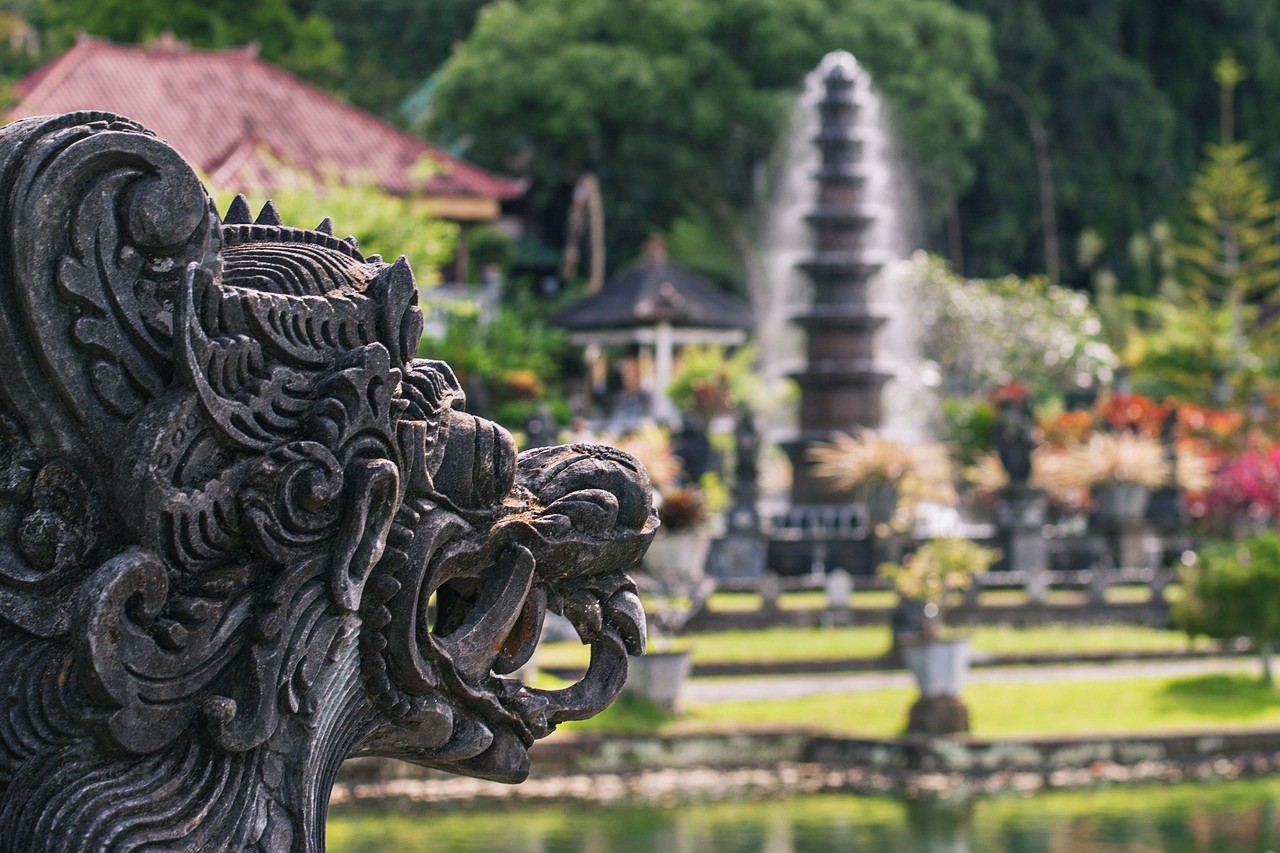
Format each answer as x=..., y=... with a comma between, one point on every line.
x=983, y=332
x=1065, y=428
x=1246, y=487
x=1068, y=470
x=1215, y=431
x=1127, y=412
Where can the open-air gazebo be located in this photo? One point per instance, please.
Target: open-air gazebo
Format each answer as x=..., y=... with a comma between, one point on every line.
x=657, y=306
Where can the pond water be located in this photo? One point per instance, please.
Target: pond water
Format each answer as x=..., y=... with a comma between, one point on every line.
x=1210, y=817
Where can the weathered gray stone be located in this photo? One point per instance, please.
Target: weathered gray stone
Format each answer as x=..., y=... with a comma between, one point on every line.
x=229, y=491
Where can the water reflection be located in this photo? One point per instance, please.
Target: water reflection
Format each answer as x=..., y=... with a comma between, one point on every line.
x=1212, y=817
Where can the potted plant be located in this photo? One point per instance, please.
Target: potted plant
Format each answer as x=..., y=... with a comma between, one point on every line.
x=674, y=588
x=678, y=553
x=887, y=476
x=937, y=659
x=1119, y=469
x=660, y=674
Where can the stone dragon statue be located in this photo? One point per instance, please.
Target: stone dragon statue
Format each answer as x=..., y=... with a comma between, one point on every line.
x=245, y=532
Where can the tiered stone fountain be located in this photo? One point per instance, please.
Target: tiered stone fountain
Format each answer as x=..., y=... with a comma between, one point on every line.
x=840, y=383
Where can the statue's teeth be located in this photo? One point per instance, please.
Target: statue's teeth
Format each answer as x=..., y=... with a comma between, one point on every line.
x=626, y=615
x=238, y=212
x=269, y=215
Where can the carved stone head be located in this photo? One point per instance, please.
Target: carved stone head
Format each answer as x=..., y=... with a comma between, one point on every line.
x=245, y=531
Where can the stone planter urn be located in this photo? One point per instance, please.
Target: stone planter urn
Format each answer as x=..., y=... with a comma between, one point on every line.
x=659, y=677
x=1121, y=504
x=939, y=666
x=1121, y=515
x=677, y=559
x=881, y=500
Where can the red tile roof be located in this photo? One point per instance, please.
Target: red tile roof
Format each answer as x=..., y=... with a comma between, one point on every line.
x=238, y=118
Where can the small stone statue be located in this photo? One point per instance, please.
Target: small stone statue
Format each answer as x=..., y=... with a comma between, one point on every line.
x=746, y=442
x=229, y=493
x=1014, y=438
x=692, y=446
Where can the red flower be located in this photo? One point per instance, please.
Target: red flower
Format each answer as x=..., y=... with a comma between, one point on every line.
x=1010, y=392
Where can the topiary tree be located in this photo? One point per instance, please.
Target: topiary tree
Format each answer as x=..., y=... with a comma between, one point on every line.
x=1230, y=591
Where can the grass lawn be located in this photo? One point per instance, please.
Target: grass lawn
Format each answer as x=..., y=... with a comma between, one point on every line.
x=813, y=599
x=1002, y=710
x=871, y=641
x=997, y=710
x=809, y=599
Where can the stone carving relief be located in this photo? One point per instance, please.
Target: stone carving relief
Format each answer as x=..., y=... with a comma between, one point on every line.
x=245, y=531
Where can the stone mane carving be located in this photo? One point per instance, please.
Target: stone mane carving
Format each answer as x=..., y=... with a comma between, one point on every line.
x=229, y=492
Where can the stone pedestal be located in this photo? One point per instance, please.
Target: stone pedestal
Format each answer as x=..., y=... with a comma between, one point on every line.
x=938, y=715
x=738, y=556
x=1127, y=545
x=839, y=587
x=1020, y=517
x=1160, y=578
x=770, y=592
x=1121, y=517
x=1099, y=580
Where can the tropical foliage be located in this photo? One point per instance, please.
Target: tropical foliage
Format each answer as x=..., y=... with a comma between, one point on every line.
x=505, y=362
x=1230, y=592
x=710, y=381
x=937, y=569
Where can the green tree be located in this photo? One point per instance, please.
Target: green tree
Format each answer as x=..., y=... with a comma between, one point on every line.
x=1186, y=350
x=393, y=46
x=1230, y=592
x=1229, y=252
x=1121, y=90
x=1108, y=128
x=304, y=44
x=1228, y=268
x=673, y=103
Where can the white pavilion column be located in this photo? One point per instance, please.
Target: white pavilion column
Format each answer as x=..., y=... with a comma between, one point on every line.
x=663, y=360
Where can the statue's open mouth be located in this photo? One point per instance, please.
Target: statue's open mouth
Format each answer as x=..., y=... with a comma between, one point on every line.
x=474, y=610
x=483, y=639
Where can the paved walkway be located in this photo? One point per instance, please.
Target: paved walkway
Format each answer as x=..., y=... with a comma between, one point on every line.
x=716, y=690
